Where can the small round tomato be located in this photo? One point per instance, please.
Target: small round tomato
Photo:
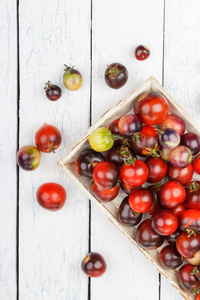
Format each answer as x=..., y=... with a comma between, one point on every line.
x=48, y=138
x=192, y=141
x=157, y=169
x=171, y=194
x=53, y=92
x=180, y=156
x=141, y=200
x=171, y=239
x=114, y=126
x=152, y=108
x=186, y=279
x=28, y=158
x=116, y=75
x=169, y=138
x=190, y=219
x=182, y=175
x=51, y=196
x=188, y=244
x=134, y=174
x=101, y=139
x=178, y=210
x=118, y=154
x=142, y=52
x=196, y=164
x=193, y=195
x=93, y=265
x=169, y=257
x=175, y=122
x=164, y=222
x=127, y=189
x=129, y=124
x=72, y=78
x=126, y=215
x=105, y=175
x=105, y=195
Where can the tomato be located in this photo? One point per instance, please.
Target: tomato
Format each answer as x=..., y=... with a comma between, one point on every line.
x=178, y=210
x=172, y=194
x=134, y=174
x=171, y=239
x=128, y=189
x=116, y=75
x=186, y=280
x=114, y=126
x=193, y=195
x=93, y=265
x=53, y=92
x=157, y=169
x=48, y=138
x=101, y=139
x=105, y=175
x=142, y=52
x=28, y=158
x=182, y=175
x=188, y=244
x=198, y=297
x=169, y=257
x=175, y=122
x=152, y=108
x=164, y=222
x=129, y=124
x=51, y=196
x=169, y=138
x=190, y=219
x=105, y=195
x=72, y=78
x=196, y=164
x=141, y=200
x=126, y=215
x=146, y=237
x=155, y=193
x=118, y=154
x=192, y=141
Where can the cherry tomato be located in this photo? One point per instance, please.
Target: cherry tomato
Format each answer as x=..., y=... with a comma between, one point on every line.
x=192, y=141
x=157, y=169
x=146, y=237
x=105, y=195
x=118, y=154
x=141, y=200
x=198, y=297
x=93, y=265
x=101, y=139
x=196, y=164
x=193, y=195
x=180, y=156
x=126, y=215
x=171, y=194
x=48, y=138
x=194, y=260
x=169, y=257
x=72, y=78
x=155, y=193
x=51, y=196
x=164, y=222
x=134, y=174
x=142, y=52
x=178, y=210
x=164, y=154
x=53, y=92
x=186, y=280
x=188, y=244
x=171, y=239
x=128, y=189
x=114, y=126
x=152, y=108
x=190, y=219
x=129, y=124
x=105, y=175
x=28, y=158
x=182, y=175
x=116, y=75
x=175, y=122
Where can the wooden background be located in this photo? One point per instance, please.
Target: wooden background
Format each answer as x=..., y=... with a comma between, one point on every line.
x=41, y=251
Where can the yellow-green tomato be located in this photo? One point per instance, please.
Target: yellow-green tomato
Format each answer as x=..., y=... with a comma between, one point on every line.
x=101, y=139
x=72, y=79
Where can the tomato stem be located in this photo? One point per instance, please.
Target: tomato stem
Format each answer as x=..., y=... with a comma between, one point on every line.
x=113, y=71
x=193, y=186
x=67, y=69
x=196, y=290
x=124, y=140
x=158, y=184
x=47, y=86
x=129, y=161
x=137, y=137
x=195, y=271
x=118, y=183
x=52, y=148
x=190, y=232
x=155, y=152
x=137, y=214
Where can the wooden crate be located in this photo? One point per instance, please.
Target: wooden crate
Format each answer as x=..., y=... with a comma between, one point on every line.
x=110, y=209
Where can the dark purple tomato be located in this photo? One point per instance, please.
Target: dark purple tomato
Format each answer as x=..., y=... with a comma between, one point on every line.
x=190, y=219
x=126, y=215
x=72, y=78
x=105, y=195
x=142, y=52
x=193, y=195
x=188, y=244
x=175, y=122
x=164, y=222
x=169, y=257
x=128, y=189
x=155, y=193
x=93, y=265
x=114, y=126
x=157, y=169
x=129, y=124
x=192, y=141
x=169, y=138
x=105, y=175
x=146, y=237
x=116, y=75
x=119, y=154
x=171, y=194
x=182, y=175
x=180, y=156
x=53, y=92
x=28, y=158
x=171, y=239
x=186, y=280
x=86, y=162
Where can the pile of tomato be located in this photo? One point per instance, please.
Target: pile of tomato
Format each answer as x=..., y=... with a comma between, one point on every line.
x=150, y=156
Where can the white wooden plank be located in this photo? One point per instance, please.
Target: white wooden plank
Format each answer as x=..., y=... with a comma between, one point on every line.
x=125, y=26
x=181, y=70
x=52, y=245
x=8, y=143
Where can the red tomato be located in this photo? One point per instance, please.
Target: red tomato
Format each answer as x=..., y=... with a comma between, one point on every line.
x=186, y=279
x=157, y=169
x=141, y=200
x=196, y=164
x=152, y=108
x=164, y=222
x=105, y=195
x=178, y=210
x=172, y=194
x=188, y=245
x=134, y=174
x=128, y=189
x=190, y=219
x=193, y=195
x=182, y=175
x=105, y=175
x=175, y=122
x=155, y=193
x=51, y=196
x=198, y=297
x=114, y=126
x=48, y=138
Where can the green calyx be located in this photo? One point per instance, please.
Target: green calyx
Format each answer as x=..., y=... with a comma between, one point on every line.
x=129, y=161
x=47, y=86
x=137, y=137
x=67, y=69
x=195, y=290
x=193, y=186
x=52, y=148
x=135, y=213
x=158, y=185
x=195, y=271
x=113, y=71
x=118, y=183
x=125, y=141
x=190, y=232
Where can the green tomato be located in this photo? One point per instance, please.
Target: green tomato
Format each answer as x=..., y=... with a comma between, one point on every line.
x=101, y=139
x=72, y=79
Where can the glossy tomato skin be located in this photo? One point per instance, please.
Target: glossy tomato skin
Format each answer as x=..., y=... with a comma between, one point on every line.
x=188, y=245
x=135, y=174
x=190, y=219
x=157, y=169
x=198, y=297
x=169, y=138
x=175, y=122
x=126, y=215
x=48, y=138
x=152, y=108
x=116, y=75
x=51, y=196
x=171, y=239
x=72, y=78
x=129, y=124
x=180, y=156
x=178, y=210
x=118, y=153
x=147, y=138
x=193, y=195
x=127, y=189
x=53, y=92
x=146, y=237
x=192, y=141
x=101, y=139
x=169, y=257
x=114, y=126
x=105, y=195
x=86, y=162
x=155, y=193
x=141, y=200
x=171, y=194
x=164, y=222
x=196, y=164
x=94, y=265
x=105, y=175
x=186, y=280
x=142, y=52
x=28, y=158
x=182, y=175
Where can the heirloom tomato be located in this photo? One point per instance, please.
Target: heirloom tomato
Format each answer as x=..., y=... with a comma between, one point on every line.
x=141, y=200
x=126, y=215
x=134, y=174
x=164, y=222
x=93, y=265
x=48, y=138
x=116, y=75
x=171, y=194
x=105, y=175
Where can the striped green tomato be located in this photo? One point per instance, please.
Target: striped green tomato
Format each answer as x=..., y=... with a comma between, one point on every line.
x=101, y=139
